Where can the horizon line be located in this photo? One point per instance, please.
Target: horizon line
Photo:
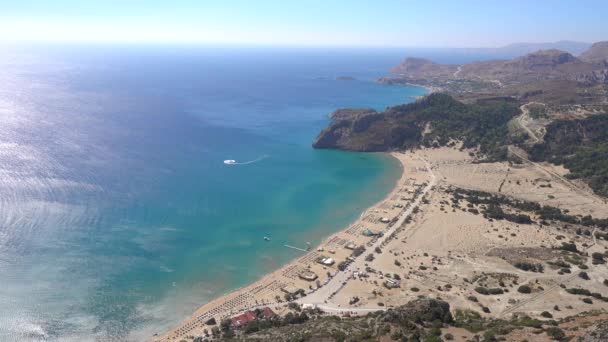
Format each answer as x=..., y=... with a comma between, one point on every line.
x=263, y=44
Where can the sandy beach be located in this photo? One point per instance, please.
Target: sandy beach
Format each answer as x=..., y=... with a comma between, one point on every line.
x=270, y=290
x=417, y=242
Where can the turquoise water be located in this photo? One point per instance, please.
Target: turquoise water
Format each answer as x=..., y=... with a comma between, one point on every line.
x=118, y=215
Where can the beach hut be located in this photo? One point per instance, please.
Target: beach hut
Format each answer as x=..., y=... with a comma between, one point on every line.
x=369, y=232
x=307, y=275
x=327, y=261
x=290, y=289
x=350, y=246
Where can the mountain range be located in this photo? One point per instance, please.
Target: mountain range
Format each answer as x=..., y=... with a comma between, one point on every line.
x=591, y=66
x=519, y=49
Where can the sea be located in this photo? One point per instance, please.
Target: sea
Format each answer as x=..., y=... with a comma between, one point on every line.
x=137, y=182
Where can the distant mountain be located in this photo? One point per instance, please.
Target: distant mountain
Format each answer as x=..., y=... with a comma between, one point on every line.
x=424, y=68
x=541, y=65
x=519, y=49
x=597, y=53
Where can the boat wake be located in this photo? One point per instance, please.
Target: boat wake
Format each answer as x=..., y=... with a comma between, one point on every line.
x=234, y=162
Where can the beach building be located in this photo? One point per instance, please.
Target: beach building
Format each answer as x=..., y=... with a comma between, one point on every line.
x=290, y=289
x=267, y=313
x=243, y=319
x=326, y=261
x=350, y=245
x=369, y=232
x=307, y=275
x=250, y=316
x=385, y=220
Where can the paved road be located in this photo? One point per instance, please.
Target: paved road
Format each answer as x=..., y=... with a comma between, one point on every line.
x=334, y=309
x=320, y=297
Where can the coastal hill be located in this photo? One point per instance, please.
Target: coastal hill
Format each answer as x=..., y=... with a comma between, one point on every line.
x=422, y=68
x=541, y=65
x=433, y=120
x=518, y=49
x=529, y=103
x=597, y=53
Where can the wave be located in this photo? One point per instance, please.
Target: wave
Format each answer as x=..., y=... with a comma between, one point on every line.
x=234, y=162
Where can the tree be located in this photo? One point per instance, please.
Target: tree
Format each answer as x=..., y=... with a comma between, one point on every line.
x=225, y=324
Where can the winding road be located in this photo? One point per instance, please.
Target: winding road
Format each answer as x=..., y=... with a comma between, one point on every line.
x=524, y=116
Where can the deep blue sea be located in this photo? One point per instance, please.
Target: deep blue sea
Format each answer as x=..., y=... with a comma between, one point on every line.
x=118, y=215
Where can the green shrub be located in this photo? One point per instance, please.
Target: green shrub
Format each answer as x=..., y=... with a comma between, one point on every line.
x=556, y=334
x=486, y=292
x=524, y=289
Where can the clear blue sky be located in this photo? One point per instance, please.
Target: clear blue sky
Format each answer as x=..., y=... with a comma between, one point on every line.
x=464, y=23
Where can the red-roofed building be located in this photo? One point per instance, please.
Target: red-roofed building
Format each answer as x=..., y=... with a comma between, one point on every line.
x=242, y=319
x=267, y=313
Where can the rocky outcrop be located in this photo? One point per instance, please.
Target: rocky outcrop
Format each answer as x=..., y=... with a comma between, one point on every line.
x=598, y=334
x=351, y=133
x=434, y=120
x=345, y=78
x=372, y=131
x=593, y=77
x=349, y=113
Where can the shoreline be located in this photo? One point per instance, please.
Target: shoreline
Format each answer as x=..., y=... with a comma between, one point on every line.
x=438, y=244
x=430, y=89
x=258, y=293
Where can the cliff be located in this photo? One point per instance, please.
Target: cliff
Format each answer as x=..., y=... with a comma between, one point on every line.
x=434, y=119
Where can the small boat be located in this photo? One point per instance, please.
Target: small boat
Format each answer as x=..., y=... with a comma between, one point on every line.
x=266, y=238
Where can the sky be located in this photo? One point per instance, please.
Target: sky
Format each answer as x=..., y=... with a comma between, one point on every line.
x=423, y=23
